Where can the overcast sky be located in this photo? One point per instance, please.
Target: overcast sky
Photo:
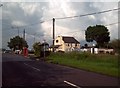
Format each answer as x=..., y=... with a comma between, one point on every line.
x=17, y=14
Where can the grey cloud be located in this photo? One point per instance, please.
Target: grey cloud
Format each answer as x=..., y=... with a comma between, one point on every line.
x=16, y=13
x=89, y=7
x=82, y=8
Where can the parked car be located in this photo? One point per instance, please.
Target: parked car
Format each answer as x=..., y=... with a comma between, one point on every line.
x=7, y=51
x=17, y=51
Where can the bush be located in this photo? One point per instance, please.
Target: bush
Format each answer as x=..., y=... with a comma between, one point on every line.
x=37, y=49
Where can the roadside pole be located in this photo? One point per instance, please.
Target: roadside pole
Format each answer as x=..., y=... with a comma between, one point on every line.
x=53, y=32
x=44, y=49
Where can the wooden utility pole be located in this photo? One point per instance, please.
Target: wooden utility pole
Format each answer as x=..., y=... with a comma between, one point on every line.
x=53, y=32
x=24, y=34
x=18, y=31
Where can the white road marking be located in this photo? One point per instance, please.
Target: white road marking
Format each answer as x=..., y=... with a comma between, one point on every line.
x=32, y=67
x=72, y=84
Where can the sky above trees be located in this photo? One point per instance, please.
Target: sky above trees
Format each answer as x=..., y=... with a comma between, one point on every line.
x=19, y=13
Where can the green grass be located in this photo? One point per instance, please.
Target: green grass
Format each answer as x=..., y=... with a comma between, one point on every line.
x=104, y=64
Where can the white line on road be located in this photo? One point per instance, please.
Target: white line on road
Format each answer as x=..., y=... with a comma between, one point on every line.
x=72, y=84
x=32, y=67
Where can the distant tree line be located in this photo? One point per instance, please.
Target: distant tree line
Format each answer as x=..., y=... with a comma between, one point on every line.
x=98, y=33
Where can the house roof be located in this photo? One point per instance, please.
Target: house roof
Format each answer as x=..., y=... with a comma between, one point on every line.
x=69, y=39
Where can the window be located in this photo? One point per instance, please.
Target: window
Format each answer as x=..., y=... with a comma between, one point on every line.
x=68, y=44
x=76, y=44
x=56, y=41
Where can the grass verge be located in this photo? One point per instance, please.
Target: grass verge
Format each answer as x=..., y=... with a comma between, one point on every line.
x=104, y=64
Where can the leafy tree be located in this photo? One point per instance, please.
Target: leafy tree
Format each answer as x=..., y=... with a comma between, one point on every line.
x=17, y=43
x=99, y=33
x=37, y=48
x=115, y=44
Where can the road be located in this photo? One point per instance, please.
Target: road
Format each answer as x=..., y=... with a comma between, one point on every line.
x=18, y=71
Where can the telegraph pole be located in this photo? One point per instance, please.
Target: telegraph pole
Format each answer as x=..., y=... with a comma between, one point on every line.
x=44, y=49
x=24, y=34
x=34, y=38
x=18, y=30
x=53, y=32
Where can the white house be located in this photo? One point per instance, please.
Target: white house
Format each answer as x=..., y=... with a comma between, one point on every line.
x=66, y=44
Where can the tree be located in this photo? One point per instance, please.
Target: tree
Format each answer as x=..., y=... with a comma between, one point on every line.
x=17, y=43
x=37, y=48
x=99, y=33
x=115, y=44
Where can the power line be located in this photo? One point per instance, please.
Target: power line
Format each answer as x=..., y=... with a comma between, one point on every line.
x=72, y=32
x=33, y=24
x=28, y=24
x=36, y=23
x=85, y=30
x=112, y=24
x=16, y=27
x=105, y=11
x=71, y=17
x=76, y=31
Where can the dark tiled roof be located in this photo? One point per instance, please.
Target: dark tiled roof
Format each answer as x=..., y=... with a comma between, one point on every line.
x=69, y=39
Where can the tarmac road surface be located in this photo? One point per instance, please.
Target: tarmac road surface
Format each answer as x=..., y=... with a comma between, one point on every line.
x=18, y=71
